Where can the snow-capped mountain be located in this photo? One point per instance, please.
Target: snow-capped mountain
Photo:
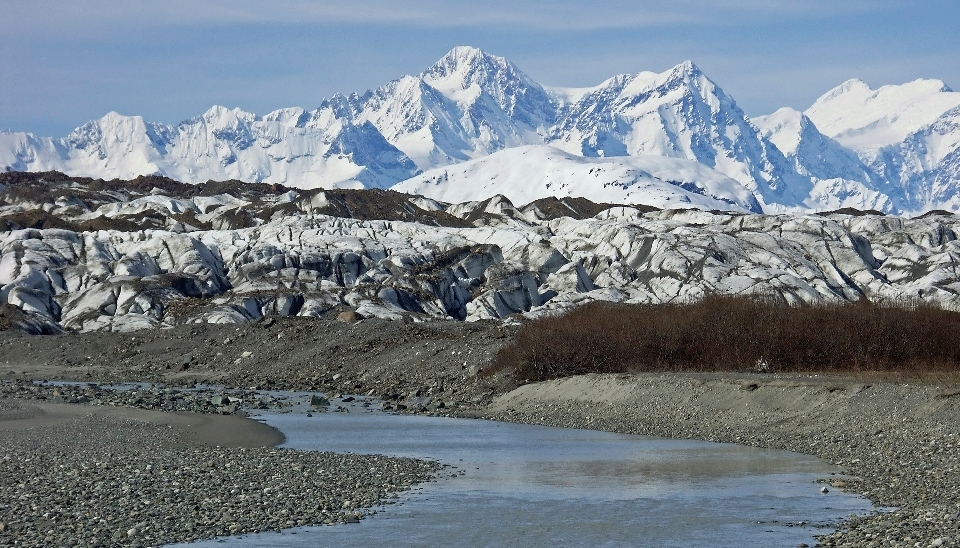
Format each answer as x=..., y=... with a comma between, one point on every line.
x=892, y=149
x=469, y=104
x=282, y=147
x=679, y=113
x=908, y=136
x=840, y=178
x=922, y=169
x=864, y=119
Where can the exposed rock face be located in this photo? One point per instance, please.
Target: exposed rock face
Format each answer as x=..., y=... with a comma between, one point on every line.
x=300, y=254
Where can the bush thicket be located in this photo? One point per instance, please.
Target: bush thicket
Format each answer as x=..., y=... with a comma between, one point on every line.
x=728, y=333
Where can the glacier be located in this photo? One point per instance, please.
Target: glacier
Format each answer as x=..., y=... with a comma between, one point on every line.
x=85, y=254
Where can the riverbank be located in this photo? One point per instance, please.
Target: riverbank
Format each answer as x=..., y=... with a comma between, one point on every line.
x=898, y=444
x=80, y=475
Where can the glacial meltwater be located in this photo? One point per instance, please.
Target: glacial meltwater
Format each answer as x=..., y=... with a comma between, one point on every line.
x=530, y=486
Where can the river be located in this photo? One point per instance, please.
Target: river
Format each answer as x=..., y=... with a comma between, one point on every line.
x=522, y=485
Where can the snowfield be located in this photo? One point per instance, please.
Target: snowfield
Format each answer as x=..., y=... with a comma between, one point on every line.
x=526, y=174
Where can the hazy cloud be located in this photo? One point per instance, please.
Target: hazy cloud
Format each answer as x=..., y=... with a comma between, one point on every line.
x=22, y=17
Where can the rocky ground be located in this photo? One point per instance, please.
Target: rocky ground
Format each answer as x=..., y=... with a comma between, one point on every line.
x=409, y=364
x=898, y=443
x=106, y=479
x=57, y=486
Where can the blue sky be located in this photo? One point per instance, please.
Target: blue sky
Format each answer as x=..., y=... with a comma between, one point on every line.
x=64, y=62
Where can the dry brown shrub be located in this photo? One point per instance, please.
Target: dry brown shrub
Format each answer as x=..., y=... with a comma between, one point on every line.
x=726, y=333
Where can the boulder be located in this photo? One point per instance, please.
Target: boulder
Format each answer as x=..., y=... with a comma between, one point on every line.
x=349, y=316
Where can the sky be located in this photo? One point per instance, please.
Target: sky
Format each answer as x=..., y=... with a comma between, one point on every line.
x=64, y=62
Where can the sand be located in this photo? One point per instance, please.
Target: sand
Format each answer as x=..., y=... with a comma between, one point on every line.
x=191, y=429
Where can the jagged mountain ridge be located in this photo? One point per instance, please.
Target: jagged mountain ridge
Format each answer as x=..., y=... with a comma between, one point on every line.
x=471, y=104
x=680, y=113
x=220, y=144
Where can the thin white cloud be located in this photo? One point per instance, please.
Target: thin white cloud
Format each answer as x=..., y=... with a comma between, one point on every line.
x=23, y=17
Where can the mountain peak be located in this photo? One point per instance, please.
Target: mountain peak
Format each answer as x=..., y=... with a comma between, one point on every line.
x=467, y=74
x=854, y=83
x=784, y=128
x=113, y=115
x=867, y=119
x=219, y=111
x=467, y=55
x=464, y=62
x=687, y=67
x=854, y=86
x=464, y=52
x=110, y=122
x=929, y=85
x=686, y=71
x=219, y=116
x=782, y=117
x=114, y=118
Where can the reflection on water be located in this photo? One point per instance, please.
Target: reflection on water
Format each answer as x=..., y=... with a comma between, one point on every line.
x=520, y=485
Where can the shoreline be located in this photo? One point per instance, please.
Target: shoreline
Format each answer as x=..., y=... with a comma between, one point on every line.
x=898, y=444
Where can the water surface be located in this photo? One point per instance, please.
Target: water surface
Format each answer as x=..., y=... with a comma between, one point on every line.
x=522, y=485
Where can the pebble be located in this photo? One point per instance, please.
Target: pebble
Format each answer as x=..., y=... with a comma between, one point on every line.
x=221, y=401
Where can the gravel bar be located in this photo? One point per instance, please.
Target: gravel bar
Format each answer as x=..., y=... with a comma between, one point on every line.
x=109, y=481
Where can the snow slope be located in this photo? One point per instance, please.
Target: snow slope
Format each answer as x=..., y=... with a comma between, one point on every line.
x=840, y=178
x=525, y=174
x=922, y=171
x=864, y=119
x=908, y=135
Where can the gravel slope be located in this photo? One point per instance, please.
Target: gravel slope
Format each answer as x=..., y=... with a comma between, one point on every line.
x=392, y=359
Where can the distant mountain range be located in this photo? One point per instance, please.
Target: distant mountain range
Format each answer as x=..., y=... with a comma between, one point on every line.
x=473, y=125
